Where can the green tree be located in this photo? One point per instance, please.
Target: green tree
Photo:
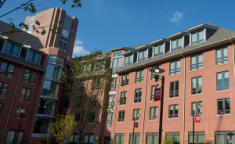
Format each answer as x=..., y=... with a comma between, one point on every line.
x=86, y=82
x=63, y=127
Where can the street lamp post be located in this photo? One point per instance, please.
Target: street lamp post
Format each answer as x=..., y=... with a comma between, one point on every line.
x=157, y=71
x=135, y=117
x=198, y=106
x=21, y=115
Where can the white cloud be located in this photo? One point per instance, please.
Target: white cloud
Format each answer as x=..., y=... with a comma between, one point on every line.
x=176, y=17
x=78, y=49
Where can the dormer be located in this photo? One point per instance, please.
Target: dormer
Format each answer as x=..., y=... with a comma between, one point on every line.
x=178, y=41
x=130, y=57
x=142, y=53
x=160, y=47
x=201, y=33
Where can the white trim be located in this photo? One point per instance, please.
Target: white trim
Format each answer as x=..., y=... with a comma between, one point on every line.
x=190, y=37
x=114, y=75
x=205, y=34
x=183, y=39
x=112, y=92
x=153, y=51
x=211, y=27
x=164, y=47
x=170, y=45
x=3, y=47
x=19, y=51
x=147, y=53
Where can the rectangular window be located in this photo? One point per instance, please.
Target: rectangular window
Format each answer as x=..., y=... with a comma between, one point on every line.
x=91, y=118
x=153, y=113
x=175, y=67
x=89, y=138
x=197, y=37
x=225, y=137
x=125, y=79
x=176, y=44
x=12, y=49
x=174, y=89
x=47, y=106
x=7, y=69
x=34, y=57
x=23, y=113
x=12, y=134
x=139, y=76
x=54, y=71
x=152, y=138
x=119, y=138
x=197, y=85
x=138, y=93
x=173, y=111
x=63, y=43
x=128, y=60
x=50, y=88
x=29, y=76
x=121, y=116
x=195, y=110
x=135, y=112
x=1, y=107
x=142, y=55
x=3, y=89
x=73, y=139
x=199, y=137
x=222, y=80
x=223, y=106
x=113, y=84
x=221, y=55
x=175, y=136
x=117, y=60
x=25, y=94
x=153, y=74
x=136, y=138
x=56, y=60
x=197, y=62
x=153, y=91
x=109, y=120
x=66, y=103
x=123, y=98
x=158, y=50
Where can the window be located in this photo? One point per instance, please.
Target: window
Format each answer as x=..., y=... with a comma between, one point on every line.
x=199, y=137
x=195, y=109
x=221, y=56
x=89, y=138
x=128, y=60
x=135, y=112
x=7, y=69
x=3, y=89
x=1, y=107
x=153, y=113
x=54, y=71
x=121, y=116
x=63, y=43
x=153, y=74
x=73, y=139
x=119, y=138
x=47, y=106
x=117, y=60
x=66, y=103
x=56, y=60
x=175, y=136
x=152, y=138
x=34, y=57
x=225, y=137
x=197, y=62
x=25, y=94
x=79, y=102
x=222, y=81
x=95, y=84
x=175, y=67
x=139, y=76
x=138, y=93
x=223, y=106
x=197, y=85
x=29, y=76
x=77, y=117
x=176, y=44
x=136, y=138
x=12, y=134
x=173, y=111
x=109, y=120
x=113, y=84
x=50, y=88
x=142, y=55
x=158, y=50
x=197, y=37
x=125, y=79
x=91, y=118
x=42, y=125
x=18, y=112
x=123, y=98
x=174, y=89
x=12, y=49
x=153, y=91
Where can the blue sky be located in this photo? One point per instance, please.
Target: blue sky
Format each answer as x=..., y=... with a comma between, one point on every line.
x=108, y=24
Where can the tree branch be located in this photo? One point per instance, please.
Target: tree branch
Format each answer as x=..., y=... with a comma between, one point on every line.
x=2, y=3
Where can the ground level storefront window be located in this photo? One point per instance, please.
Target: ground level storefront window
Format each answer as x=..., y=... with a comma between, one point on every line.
x=175, y=136
x=42, y=125
x=152, y=138
x=226, y=137
x=199, y=137
x=73, y=139
x=12, y=134
x=119, y=138
x=89, y=138
x=136, y=138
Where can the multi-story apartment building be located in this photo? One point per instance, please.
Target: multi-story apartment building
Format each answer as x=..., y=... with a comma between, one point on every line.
x=30, y=71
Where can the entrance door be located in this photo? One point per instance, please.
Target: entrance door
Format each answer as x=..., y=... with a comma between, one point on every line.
x=106, y=139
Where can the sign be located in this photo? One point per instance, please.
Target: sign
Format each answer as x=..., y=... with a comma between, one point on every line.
x=197, y=119
x=136, y=124
x=157, y=94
